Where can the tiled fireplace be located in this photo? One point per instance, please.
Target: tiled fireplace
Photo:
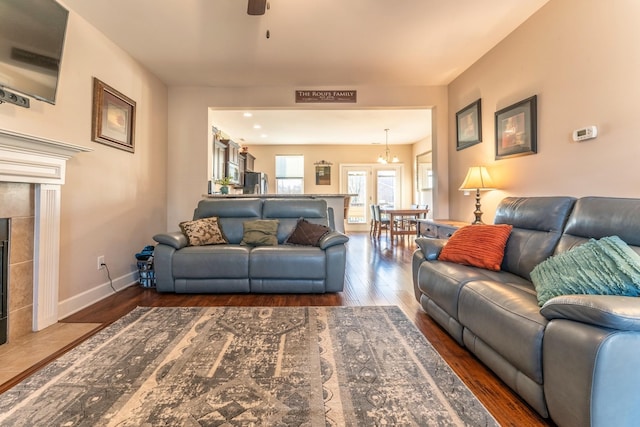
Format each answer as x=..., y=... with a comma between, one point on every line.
x=17, y=209
x=32, y=172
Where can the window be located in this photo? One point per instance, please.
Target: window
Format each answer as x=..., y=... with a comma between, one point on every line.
x=290, y=174
x=386, y=183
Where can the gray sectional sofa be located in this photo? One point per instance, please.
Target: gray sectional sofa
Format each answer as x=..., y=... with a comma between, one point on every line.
x=236, y=268
x=576, y=359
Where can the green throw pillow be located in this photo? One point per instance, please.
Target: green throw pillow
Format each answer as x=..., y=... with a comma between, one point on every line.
x=260, y=232
x=598, y=267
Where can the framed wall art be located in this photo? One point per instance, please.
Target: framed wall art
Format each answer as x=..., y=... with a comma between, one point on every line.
x=469, y=125
x=516, y=126
x=114, y=117
x=323, y=172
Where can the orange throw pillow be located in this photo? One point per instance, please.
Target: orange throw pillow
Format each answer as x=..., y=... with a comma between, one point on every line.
x=477, y=245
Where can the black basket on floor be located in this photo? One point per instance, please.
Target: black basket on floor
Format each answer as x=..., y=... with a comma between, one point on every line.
x=147, y=276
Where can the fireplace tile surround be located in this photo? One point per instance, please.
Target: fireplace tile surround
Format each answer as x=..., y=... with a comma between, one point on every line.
x=17, y=204
x=32, y=171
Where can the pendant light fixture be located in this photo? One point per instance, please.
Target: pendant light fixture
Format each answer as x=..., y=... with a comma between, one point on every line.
x=386, y=157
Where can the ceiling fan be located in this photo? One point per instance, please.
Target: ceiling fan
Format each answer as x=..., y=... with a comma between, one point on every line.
x=257, y=7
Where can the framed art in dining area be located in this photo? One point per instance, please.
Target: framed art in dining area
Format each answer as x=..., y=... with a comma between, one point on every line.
x=323, y=172
x=323, y=175
x=114, y=117
x=469, y=125
x=516, y=129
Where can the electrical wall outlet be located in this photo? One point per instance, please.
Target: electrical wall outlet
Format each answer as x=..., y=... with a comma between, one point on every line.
x=100, y=262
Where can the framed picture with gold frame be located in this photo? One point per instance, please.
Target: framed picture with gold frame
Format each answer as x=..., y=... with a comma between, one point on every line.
x=114, y=117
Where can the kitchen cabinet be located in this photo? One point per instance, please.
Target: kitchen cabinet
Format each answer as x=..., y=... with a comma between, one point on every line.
x=219, y=159
x=228, y=160
x=249, y=160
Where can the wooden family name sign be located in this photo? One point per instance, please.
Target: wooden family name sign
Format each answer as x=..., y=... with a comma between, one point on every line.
x=326, y=96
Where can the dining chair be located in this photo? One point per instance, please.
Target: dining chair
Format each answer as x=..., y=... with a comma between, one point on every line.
x=374, y=225
x=381, y=223
x=409, y=222
x=425, y=207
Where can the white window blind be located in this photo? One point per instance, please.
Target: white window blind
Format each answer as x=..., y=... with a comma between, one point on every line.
x=289, y=174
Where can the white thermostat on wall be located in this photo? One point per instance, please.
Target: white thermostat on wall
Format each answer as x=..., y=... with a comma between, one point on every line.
x=585, y=133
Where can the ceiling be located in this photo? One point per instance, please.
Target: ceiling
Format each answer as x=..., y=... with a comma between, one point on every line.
x=338, y=44
x=355, y=127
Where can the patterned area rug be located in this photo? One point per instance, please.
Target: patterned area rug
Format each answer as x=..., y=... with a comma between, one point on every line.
x=244, y=366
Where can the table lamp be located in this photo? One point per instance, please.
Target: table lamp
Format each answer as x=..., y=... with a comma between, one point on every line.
x=477, y=179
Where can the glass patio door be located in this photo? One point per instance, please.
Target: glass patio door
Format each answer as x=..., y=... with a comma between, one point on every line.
x=357, y=180
x=371, y=184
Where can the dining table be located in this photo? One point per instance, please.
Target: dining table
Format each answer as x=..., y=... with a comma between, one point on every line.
x=398, y=218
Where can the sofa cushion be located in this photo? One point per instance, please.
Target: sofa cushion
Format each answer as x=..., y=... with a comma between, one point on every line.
x=599, y=267
x=597, y=217
x=287, y=262
x=442, y=282
x=288, y=212
x=231, y=214
x=260, y=232
x=537, y=227
x=213, y=261
x=307, y=234
x=508, y=320
x=205, y=231
x=477, y=245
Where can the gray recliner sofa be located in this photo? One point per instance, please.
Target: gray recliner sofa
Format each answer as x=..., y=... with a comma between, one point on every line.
x=235, y=268
x=574, y=360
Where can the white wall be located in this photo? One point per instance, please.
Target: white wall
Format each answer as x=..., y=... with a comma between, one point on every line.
x=190, y=140
x=581, y=58
x=113, y=201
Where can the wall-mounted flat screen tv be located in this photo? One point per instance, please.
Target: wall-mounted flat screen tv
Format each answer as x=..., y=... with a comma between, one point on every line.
x=31, y=43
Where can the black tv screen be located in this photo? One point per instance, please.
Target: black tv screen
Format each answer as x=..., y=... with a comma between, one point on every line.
x=31, y=43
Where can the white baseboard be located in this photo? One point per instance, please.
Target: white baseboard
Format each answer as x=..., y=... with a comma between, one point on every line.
x=85, y=299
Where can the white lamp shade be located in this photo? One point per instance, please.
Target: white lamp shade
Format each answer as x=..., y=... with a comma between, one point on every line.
x=477, y=179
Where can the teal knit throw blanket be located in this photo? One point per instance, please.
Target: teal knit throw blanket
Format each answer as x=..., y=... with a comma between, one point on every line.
x=598, y=267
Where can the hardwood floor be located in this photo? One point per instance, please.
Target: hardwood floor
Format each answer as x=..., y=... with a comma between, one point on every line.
x=378, y=273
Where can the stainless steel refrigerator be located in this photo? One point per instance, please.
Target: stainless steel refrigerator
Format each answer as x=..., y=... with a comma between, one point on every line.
x=255, y=183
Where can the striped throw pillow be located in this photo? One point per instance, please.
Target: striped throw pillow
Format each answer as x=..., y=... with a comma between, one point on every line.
x=477, y=245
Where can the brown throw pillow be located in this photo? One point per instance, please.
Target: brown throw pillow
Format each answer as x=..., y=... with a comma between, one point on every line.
x=477, y=245
x=307, y=233
x=205, y=231
x=260, y=232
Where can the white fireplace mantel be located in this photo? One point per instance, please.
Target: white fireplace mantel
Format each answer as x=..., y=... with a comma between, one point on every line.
x=40, y=161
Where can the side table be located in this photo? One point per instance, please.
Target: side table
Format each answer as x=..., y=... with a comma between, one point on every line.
x=438, y=228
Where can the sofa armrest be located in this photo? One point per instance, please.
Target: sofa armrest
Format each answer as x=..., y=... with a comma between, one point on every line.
x=332, y=238
x=430, y=247
x=608, y=311
x=174, y=239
